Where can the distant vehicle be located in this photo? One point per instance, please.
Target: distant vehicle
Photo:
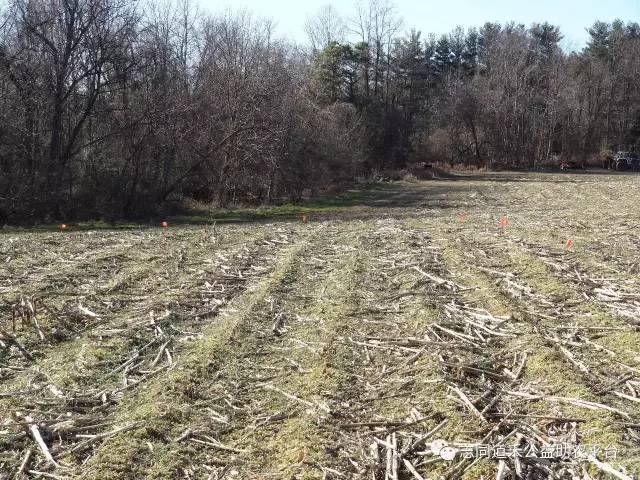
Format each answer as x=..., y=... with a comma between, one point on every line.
x=626, y=161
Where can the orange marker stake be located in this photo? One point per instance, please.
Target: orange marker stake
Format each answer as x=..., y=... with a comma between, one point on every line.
x=63, y=227
x=504, y=222
x=570, y=244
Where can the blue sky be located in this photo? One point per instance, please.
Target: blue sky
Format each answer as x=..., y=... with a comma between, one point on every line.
x=444, y=15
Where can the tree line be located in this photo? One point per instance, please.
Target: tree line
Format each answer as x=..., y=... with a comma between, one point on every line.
x=114, y=108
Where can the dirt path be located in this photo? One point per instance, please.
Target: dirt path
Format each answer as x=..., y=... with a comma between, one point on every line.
x=341, y=348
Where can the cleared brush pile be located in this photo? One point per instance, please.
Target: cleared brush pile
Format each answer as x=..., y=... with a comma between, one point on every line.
x=414, y=335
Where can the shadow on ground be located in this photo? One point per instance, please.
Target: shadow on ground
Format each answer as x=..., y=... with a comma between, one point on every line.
x=396, y=199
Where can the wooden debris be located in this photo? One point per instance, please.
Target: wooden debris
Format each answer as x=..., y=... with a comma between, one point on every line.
x=35, y=433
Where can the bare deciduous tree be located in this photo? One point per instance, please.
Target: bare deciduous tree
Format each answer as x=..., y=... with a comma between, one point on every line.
x=325, y=27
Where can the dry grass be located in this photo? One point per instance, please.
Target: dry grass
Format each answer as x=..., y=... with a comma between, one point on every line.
x=332, y=349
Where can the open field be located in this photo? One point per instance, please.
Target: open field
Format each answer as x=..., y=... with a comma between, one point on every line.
x=338, y=348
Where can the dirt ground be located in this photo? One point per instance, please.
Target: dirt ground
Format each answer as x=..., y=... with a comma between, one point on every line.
x=497, y=312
